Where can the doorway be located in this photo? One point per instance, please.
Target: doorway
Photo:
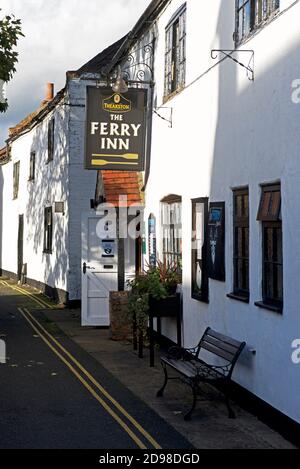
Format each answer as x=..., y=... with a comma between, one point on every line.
x=20, y=245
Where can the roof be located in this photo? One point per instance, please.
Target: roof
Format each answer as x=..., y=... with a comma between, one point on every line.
x=36, y=116
x=102, y=59
x=143, y=23
x=3, y=153
x=120, y=183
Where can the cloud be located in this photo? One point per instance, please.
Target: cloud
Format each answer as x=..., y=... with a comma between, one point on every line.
x=61, y=35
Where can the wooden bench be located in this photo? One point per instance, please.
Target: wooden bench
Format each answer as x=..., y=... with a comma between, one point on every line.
x=194, y=369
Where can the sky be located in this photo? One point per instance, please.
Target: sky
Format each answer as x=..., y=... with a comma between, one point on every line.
x=60, y=35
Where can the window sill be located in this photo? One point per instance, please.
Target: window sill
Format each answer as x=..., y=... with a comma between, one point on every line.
x=257, y=29
x=173, y=94
x=274, y=308
x=31, y=180
x=47, y=252
x=200, y=298
x=237, y=297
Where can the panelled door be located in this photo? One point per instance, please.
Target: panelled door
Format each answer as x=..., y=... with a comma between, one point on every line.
x=99, y=272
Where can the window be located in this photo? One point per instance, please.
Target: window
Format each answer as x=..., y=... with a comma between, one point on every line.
x=175, y=52
x=51, y=126
x=269, y=214
x=32, y=166
x=171, y=230
x=241, y=243
x=48, y=229
x=199, y=249
x=16, y=179
x=251, y=14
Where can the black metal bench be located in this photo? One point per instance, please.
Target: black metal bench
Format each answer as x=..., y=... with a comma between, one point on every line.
x=196, y=370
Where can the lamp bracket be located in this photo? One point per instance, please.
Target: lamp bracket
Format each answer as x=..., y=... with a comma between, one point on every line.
x=229, y=54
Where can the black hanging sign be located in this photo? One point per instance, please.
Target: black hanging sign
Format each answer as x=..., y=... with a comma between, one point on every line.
x=216, y=241
x=115, y=129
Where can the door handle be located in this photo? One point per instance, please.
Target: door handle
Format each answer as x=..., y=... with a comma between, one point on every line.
x=85, y=267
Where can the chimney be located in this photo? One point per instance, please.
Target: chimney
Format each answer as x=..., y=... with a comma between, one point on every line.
x=49, y=92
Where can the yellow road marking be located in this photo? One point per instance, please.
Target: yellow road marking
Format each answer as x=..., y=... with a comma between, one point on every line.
x=30, y=295
x=97, y=385
x=125, y=427
x=84, y=371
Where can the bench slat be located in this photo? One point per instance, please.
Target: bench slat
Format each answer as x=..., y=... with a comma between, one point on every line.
x=217, y=351
x=224, y=338
x=220, y=344
x=185, y=368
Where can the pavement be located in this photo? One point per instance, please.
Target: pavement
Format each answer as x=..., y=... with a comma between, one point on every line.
x=83, y=390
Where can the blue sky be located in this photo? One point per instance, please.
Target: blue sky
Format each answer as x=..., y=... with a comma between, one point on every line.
x=61, y=35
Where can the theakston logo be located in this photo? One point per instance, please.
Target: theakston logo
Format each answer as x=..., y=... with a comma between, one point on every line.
x=116, y=103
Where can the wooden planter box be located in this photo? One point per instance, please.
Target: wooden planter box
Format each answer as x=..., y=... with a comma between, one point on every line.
x=165, y=307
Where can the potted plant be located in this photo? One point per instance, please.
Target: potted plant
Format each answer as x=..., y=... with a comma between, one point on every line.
x=153, y=292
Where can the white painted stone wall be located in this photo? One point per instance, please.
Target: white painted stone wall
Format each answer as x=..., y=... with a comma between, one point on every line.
x=50, y=185
x=229, y=132
x=62, y=180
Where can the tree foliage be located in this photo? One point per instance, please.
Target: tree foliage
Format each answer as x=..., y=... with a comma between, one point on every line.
x=10, y=32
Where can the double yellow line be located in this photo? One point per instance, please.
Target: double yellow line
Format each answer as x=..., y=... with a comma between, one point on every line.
x=34, y=297
x=135, y=431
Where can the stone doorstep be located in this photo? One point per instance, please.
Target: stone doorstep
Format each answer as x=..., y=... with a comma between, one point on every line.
x=209, y=427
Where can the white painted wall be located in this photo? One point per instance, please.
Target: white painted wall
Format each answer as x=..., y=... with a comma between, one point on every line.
x=229, y=132
x=50, y=185
x=64, y=179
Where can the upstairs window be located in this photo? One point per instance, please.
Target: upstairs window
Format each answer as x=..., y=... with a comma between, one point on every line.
x=251, y=14
x=175, y=58
x=269, y=214
x=48, y=230
x=51, y=126
x=16, y=179
x=32, y=166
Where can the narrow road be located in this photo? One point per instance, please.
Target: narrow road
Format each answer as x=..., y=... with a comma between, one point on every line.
x=55, y=395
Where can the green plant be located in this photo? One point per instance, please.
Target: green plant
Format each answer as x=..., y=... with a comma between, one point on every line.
x=159, y=282
x=10, y=32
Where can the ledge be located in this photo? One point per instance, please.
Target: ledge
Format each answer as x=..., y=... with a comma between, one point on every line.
x=235, y=296
x=275, y=309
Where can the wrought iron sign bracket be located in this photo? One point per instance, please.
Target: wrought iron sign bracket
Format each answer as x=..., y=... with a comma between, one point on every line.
x=134, y=71
x=170, y=120
x=229, y=54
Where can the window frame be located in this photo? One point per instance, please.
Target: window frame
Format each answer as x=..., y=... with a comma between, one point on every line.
x=240, y=222
x=48, y=230
x=175, y=53
x=32, y=166
x=261, y=12
x=267, y=223
x=171, y=256
x=16, y=179
x=51, y=132
x=203, y=294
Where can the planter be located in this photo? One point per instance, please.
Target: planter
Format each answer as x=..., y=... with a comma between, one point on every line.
x=165, y=307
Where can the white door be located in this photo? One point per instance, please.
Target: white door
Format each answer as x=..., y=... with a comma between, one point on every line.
x=99, y=272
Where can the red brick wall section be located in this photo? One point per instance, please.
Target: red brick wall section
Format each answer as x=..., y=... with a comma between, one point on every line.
x=120, y=325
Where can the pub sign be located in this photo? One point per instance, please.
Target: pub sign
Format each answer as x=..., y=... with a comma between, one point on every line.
x=115, y=129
